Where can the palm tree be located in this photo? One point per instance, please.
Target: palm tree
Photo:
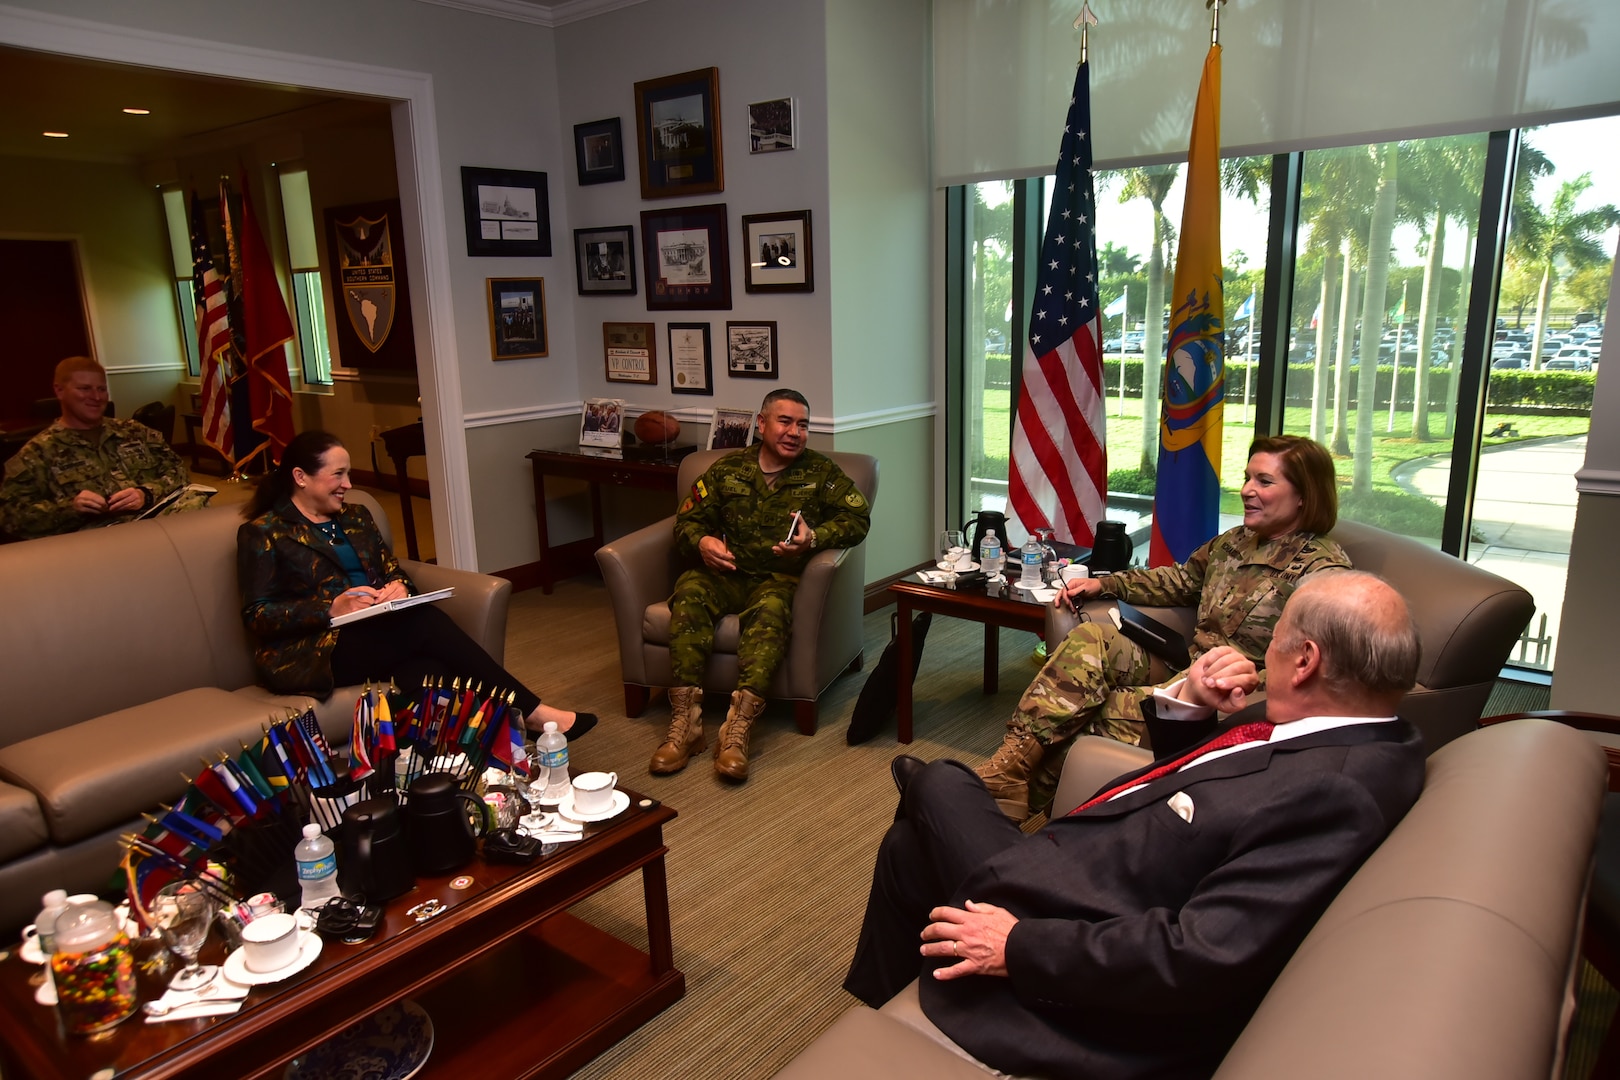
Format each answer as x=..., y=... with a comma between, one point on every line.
x=1152, y=182
x=1336, y=202
x=1447, y=172
x=1561, y=234
x=1115, y=261
x=1379, y=234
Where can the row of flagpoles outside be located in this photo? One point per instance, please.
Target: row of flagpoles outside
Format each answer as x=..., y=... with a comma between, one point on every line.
x=1058, y=473
x=242, y=328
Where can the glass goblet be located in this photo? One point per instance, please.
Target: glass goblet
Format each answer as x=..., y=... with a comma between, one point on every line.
x=951, y=547
x=184, y=912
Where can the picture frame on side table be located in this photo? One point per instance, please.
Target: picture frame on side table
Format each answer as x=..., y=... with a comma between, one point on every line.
x=605, y=259
x=731, y=429
x=508, y=212
x=517, y=317
x=691, y=368
x=678, y=135
x=601, y=424
x=780, y=256
x=751, y=350
x=630, y=351
x=686, y=258
x=771, y=125
x=599, y=151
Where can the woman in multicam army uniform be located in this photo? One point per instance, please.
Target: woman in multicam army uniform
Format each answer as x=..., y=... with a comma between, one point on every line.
x=1094, y=683
x=305, y=556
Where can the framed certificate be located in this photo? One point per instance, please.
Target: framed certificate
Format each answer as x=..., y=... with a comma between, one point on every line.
x=631, y=352
x=691, y=368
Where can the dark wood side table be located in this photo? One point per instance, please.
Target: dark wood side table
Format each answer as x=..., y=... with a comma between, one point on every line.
x=579, y=556
x=403, y=443
x=199, y=449
x=994, y=606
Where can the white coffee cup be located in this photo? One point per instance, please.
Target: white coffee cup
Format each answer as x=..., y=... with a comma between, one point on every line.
x=1074, y=572
x=270, y=942
x=593, y=792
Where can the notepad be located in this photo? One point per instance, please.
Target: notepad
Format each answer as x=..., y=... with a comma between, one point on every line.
x=392, y=605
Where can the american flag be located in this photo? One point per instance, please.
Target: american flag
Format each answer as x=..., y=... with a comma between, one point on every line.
x=1059, y=468
x=213, y=339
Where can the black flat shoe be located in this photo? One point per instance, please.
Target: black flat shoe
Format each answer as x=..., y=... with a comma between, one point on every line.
x=903, y=768
x=583, y=722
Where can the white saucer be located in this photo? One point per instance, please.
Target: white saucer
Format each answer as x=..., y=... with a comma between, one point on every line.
x=621, y=803
x=960, y=568
x=28, y=952
x=236, y=969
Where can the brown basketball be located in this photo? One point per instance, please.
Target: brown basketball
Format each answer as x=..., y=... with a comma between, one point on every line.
x=657, y=427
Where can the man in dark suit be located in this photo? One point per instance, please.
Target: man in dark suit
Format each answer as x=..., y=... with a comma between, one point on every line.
x=1136, y=936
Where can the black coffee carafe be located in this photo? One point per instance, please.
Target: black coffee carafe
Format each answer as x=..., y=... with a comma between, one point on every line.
x=1112, y=548
x=376, y=861
x=442, y=823
x=982, y=523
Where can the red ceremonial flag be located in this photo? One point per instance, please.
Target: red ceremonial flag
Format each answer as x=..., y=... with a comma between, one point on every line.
x=266, y=328
x=213, y=339
x=1058, y=478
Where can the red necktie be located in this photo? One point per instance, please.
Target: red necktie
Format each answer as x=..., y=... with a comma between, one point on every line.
x=1259, y=731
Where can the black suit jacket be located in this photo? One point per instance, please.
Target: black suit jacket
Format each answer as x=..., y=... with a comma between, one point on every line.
x=1144, y=941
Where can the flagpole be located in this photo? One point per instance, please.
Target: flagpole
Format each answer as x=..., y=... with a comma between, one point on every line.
x=1214, y=20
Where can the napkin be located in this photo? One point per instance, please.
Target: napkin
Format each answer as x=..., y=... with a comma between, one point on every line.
x=197, y=1011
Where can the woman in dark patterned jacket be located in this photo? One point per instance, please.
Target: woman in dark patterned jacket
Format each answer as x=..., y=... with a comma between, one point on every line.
x=305, y=557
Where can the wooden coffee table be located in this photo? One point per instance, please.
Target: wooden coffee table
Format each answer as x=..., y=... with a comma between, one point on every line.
x=515, y=986
x=994, y=605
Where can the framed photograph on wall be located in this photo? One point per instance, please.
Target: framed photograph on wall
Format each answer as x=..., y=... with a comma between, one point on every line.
x=780, y=258
x=751, y=350
x=678, y=135
x=507, y=212
x=599, y=151
x=517, y=317
x=606, y=260
x=771, y=125
x=631, y=352
x=732, y=429
x=691, y=369
x=686, y=256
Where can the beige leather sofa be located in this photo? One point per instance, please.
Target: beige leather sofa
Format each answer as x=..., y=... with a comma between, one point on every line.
x=825, y=639
x=1468, y=619
x=123, y=661
x=1450, y=955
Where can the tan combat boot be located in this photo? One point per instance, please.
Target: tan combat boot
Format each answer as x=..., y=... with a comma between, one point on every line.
x=731, y=752
x=685, y=736
x=1007, y=773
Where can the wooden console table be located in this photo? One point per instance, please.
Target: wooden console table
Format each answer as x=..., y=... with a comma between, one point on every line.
x=579, y=556
x=402, y=444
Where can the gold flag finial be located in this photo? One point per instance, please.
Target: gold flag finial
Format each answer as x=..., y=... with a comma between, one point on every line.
x=1083, y=23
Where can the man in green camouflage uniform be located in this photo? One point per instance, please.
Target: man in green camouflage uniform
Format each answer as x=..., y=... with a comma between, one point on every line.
x=1093, y=683
x=735, y=520
x=88, y=469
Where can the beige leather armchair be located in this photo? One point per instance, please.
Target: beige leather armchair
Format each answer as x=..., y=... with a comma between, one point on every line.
x=1468, y=619
x=825, y=641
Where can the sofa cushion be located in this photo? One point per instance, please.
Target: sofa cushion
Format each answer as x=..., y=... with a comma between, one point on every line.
x=22, y=825
x=655, y=629
x=867, y=1045
x=95, y=774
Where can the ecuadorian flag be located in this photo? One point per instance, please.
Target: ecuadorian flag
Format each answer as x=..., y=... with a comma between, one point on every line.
x=1187, y=502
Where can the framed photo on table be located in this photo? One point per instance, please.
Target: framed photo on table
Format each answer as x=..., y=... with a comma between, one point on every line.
x=691, y=369
x=751, y=350
x=601, y=423
x=686, y=256
x=631, y=352
x=732, y=429
x=779, y=252
x=599, y=151
x=517, y=317
x=507, y=212
x=606, y=260
x=678, y=135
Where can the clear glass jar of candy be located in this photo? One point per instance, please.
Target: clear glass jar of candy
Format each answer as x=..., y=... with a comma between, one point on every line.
x=94, y=969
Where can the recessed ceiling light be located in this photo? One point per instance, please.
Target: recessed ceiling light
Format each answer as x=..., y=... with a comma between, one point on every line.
x=55, y=134
x=139, y=112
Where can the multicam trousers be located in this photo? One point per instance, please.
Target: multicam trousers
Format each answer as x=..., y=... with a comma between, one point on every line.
x=1094, y=683
x=763, y=604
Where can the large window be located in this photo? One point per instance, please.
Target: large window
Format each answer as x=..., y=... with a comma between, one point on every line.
x=309, y=298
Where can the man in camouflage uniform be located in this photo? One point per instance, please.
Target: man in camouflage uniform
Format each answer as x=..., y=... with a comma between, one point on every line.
x=735, y=520
x=1093, y=683
x=88, y=469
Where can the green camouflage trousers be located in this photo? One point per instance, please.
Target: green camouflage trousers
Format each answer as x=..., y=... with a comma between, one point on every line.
x=1091, y=685
x=763, y=604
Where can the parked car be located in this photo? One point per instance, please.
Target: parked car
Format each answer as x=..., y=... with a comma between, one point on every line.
x=1510, y=363
x=1567, y=363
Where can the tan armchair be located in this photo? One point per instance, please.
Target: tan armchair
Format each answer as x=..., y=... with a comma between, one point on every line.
x=825, y=641
x=1468, y=619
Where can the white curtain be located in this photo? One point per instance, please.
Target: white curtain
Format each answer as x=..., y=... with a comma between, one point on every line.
x=1298, y=74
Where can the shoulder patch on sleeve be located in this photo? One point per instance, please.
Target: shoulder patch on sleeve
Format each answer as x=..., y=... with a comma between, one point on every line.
x=855, y=500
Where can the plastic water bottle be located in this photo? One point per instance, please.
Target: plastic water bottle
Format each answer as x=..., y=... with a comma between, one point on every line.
x=1029, y=558
x=317, y=867
x=553, y=747
x=990, y=559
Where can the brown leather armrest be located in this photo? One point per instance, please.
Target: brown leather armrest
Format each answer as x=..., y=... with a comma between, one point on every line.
x=1600, y=723
x=639, y=570
x=478, y=605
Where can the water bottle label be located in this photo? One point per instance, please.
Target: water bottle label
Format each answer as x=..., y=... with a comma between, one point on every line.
x=1032, y=558
x=316, y=869
x=554, y=759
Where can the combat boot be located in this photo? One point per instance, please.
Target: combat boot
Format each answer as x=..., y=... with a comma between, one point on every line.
x=731, y=752
x=1007, y=774
x=685, y=736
